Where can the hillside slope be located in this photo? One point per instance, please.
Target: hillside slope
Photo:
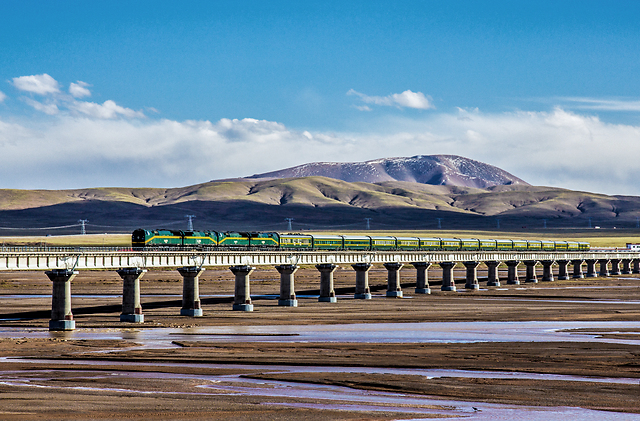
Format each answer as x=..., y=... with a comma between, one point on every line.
x=315, y=202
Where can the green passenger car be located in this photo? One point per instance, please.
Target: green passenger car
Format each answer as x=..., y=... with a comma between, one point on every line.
x=433, y=244
x=520, y=245
x=534, y=245
x=488, y=245
x=504, y=245
x=548, y=245
x=296, y=241
x=357, y=242
x=470, y=244
x=452, y=244
x=408, y=243
x=328, y=242
x=383, y=243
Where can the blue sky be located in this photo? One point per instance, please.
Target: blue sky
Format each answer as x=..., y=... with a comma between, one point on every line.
x=174, y=93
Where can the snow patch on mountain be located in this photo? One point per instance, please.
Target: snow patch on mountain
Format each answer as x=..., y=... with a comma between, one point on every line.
x=446, y=170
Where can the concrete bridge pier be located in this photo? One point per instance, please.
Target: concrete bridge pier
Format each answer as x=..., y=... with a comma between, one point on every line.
x=636, y=266
x=448, y=284
x=493, y=280
x=61, y=315
x=362, y=281
x=512, y=272
x=131, y=307
x=287, y=285
x=422, y=277
x=531, y=271
x=327, y=293
x=615, y=266
x=393, y=279
x=626, y=267
x=591, y=268
x=472, y=275
x=242, y=296
x=604, y=270
x=562, y=270
x=547, y=270
x=191, y=291
x=577, y=269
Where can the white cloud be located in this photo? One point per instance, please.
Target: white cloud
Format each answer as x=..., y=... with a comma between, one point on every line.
x=60, y=102
x=79, y=90
x=38, y=84
x=48, y=108
x=2, y=96
x=603, y=104
x=107, y=110
x=557, y=148
x=406, y=99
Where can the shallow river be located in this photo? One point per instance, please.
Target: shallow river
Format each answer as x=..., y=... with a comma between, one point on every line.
x=441, y=332
x=334, y=397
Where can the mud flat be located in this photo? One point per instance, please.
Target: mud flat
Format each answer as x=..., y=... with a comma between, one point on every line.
x=269, y=364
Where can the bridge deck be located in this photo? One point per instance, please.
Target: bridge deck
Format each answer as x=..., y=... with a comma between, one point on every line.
x=100, y=258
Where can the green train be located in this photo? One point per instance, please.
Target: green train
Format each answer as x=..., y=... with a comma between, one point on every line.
x=142, y=238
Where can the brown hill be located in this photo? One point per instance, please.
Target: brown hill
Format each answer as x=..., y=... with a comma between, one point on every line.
x=315, y=203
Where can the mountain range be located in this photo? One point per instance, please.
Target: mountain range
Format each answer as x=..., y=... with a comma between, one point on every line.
x=421, y=192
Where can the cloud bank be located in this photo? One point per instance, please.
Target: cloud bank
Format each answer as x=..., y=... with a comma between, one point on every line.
x=85, y=144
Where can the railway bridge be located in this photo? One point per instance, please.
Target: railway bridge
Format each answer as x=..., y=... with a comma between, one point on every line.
x=61, y=265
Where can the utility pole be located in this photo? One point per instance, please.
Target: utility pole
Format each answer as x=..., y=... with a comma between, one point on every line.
x=589, y=222
x=368, y=222
x=82, y=223
x=637, y=222
x=289, y=220
x=439, y=223
x=544, y=221
x=498, y=222
x=190, y=222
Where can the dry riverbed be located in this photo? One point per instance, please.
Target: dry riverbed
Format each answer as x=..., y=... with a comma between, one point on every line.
x=100, y=378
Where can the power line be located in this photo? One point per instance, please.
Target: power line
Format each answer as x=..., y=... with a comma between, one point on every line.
x=41, y=228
